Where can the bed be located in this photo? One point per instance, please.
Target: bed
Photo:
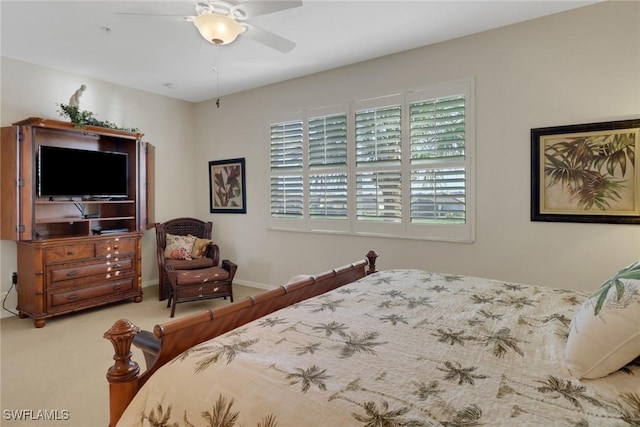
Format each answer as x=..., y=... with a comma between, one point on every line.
x=402, y=347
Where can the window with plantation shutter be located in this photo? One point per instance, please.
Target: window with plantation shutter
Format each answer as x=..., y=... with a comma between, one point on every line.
x=395, y=166
x=328, y=167
x=286, y=170
x=438, y=178
x=378, y=137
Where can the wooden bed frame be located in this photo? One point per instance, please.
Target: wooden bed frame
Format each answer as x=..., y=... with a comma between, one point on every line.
x=174, y=337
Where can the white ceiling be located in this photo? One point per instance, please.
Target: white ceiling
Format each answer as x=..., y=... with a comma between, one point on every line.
x=147, y=53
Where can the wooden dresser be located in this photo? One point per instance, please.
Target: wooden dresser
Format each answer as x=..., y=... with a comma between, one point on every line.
x=73, y=251
x=59, y=276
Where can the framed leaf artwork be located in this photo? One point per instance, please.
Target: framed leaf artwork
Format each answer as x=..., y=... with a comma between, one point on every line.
x=227, y=187
x=586, y=173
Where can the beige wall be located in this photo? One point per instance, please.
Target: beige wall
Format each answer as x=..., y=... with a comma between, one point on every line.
x=577, y=67
x=582, y=66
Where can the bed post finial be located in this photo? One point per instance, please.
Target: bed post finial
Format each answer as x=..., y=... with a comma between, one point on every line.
x=123, y=375
x=371, y=257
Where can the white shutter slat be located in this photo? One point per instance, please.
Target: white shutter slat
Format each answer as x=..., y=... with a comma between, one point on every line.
x=287, y=196
x=286, y=145
x=437, y=129
x=378, y=135
x=438, y=196
x=328, y=140
x=328, y=196
x=379, y=196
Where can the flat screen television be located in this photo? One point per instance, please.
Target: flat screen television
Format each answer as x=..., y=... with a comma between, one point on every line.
x=72, y=172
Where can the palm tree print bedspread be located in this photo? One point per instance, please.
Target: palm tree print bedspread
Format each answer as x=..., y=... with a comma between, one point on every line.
x=397, y=348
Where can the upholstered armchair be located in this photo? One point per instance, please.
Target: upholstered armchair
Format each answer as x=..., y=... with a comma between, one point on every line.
x=184, y=244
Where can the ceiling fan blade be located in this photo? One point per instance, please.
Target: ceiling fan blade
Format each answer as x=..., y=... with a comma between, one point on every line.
x=268, y=39
x=251, y=9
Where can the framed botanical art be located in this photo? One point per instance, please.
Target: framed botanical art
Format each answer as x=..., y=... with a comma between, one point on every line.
x=586, y=173
x=227, y=188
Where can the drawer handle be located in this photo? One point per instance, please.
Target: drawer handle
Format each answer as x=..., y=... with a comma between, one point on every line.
x=72, y=273
x=72, y=297
x=116, y=247
x=117, y=287
x=69, y=253
x=117, y=265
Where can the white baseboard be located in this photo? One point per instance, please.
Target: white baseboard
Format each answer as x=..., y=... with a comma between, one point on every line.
x=256, y=285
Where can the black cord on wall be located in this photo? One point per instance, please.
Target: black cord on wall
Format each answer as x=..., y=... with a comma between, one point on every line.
x=14, y=282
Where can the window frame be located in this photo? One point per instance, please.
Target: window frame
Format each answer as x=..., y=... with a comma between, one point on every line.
x=405, y=229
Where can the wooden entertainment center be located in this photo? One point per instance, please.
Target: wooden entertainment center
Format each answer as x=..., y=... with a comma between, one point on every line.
x=73, y=252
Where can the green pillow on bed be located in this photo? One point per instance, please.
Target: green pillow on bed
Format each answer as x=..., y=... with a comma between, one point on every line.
x=605, y=331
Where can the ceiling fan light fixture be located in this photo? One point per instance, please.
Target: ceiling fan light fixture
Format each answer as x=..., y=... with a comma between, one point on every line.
x=217, y=29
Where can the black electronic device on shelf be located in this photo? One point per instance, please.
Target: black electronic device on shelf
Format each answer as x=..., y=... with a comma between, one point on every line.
x=111, y=230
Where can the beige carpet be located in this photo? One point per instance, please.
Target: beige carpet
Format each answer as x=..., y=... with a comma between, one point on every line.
x=61, y=368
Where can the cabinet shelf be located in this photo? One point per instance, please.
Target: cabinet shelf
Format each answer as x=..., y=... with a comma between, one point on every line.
x=82, y=202
x=80, y=219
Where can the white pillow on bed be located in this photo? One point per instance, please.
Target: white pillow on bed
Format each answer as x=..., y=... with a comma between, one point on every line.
x=605, y=332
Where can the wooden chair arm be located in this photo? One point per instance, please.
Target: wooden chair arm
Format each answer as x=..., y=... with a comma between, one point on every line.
x=213, y=252
x=231, y=267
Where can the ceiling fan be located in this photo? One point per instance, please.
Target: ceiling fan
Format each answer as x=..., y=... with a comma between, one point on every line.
x=221, y=22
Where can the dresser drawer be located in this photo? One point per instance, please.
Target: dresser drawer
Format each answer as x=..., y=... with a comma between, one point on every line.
x=115, y=246
x=71, y=252
x=68, y=299
x=104, y=268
